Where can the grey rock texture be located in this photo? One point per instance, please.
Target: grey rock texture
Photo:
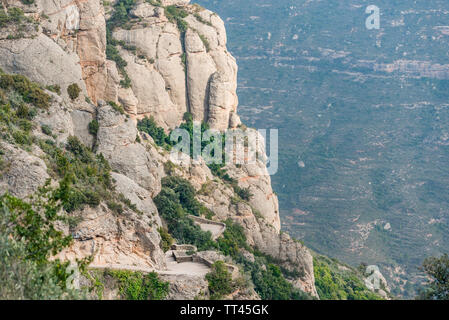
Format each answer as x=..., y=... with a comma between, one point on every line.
x=23, y=172
x=171, y=72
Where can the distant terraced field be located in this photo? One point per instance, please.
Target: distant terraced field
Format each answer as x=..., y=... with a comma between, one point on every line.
x=363, y=118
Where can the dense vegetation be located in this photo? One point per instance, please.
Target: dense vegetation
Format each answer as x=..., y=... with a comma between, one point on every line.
x=175, y=203
x=119, y=18
x=334, y=283
x=158, y=134
x=220, y=281
x=140, y=286
x=73, y=91
x=27, y=239
x=437, y=270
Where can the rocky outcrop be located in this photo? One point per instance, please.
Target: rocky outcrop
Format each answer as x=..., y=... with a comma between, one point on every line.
x=186, y=287
x=181, y=67
x=127, y=240
x=173, y=67
x=22, y=173
x=116, y=140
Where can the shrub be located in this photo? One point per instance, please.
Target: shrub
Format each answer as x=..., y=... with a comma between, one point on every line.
x=333, y=284
x=54, y=88
x=115, y=207
x=205, y=42
x=74, y=91
x=139, y=286
x=220, y=280
x=232, y=239
x=116, y=107
x=46, y=130
x=93, y=127
x=177, y=15
x=29, y=91
x=166, y=239
x=437, y=269
x=148, y=125
x=175, y=202
x=85, y=177
x=243, y=193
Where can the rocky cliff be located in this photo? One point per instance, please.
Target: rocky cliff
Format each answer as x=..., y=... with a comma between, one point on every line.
x=159, y=59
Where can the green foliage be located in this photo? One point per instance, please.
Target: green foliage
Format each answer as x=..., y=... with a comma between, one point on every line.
x=46, y=130
x=175, y=202
x=93, y=127
x=85, y=177
x=205, y=42
x=27, y=239
x=120, y=15
x=13, y=16
x=34, y=223
x=270, y=284
x=74, y=91
x=156, y=3
x=220, y=281
x=25, y=279
x=177, y=15
x=54, y=88
x=139, y=286
x=232, y=239
x=115, y=207
x=116, y=107
x=113, y=54
x=119, y=18
x=334, y=284
x=30, y=91
x=158, y=134
x=437, y=269
x=166, y=239
x=243, y=193
x=200, y=19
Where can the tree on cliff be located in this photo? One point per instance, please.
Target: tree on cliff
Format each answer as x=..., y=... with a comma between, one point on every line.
x=437, y=269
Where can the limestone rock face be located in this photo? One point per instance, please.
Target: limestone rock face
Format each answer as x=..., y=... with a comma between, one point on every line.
x=125, y=240
x=259, y=218
x=173, y=72
x=174, y=2
x=42, y=60
x=23, y=173
x=186, y=287
x=91, y=47
x=173, y=67
x=116, y=140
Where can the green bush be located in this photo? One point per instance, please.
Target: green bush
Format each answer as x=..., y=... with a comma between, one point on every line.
x=116, y=107
x=166, y=239
x=333, y=284
x=149, y=126
x=93, y=127
x=437, y=270
x=29, y=91
x=175, y=202
x=54, y=88
x=220, y=281
x=139, y=286
x=74, y=91
x=46, y=130
x=176, y=15
x=232, y=239
x=34, y=223
x=85, y=177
